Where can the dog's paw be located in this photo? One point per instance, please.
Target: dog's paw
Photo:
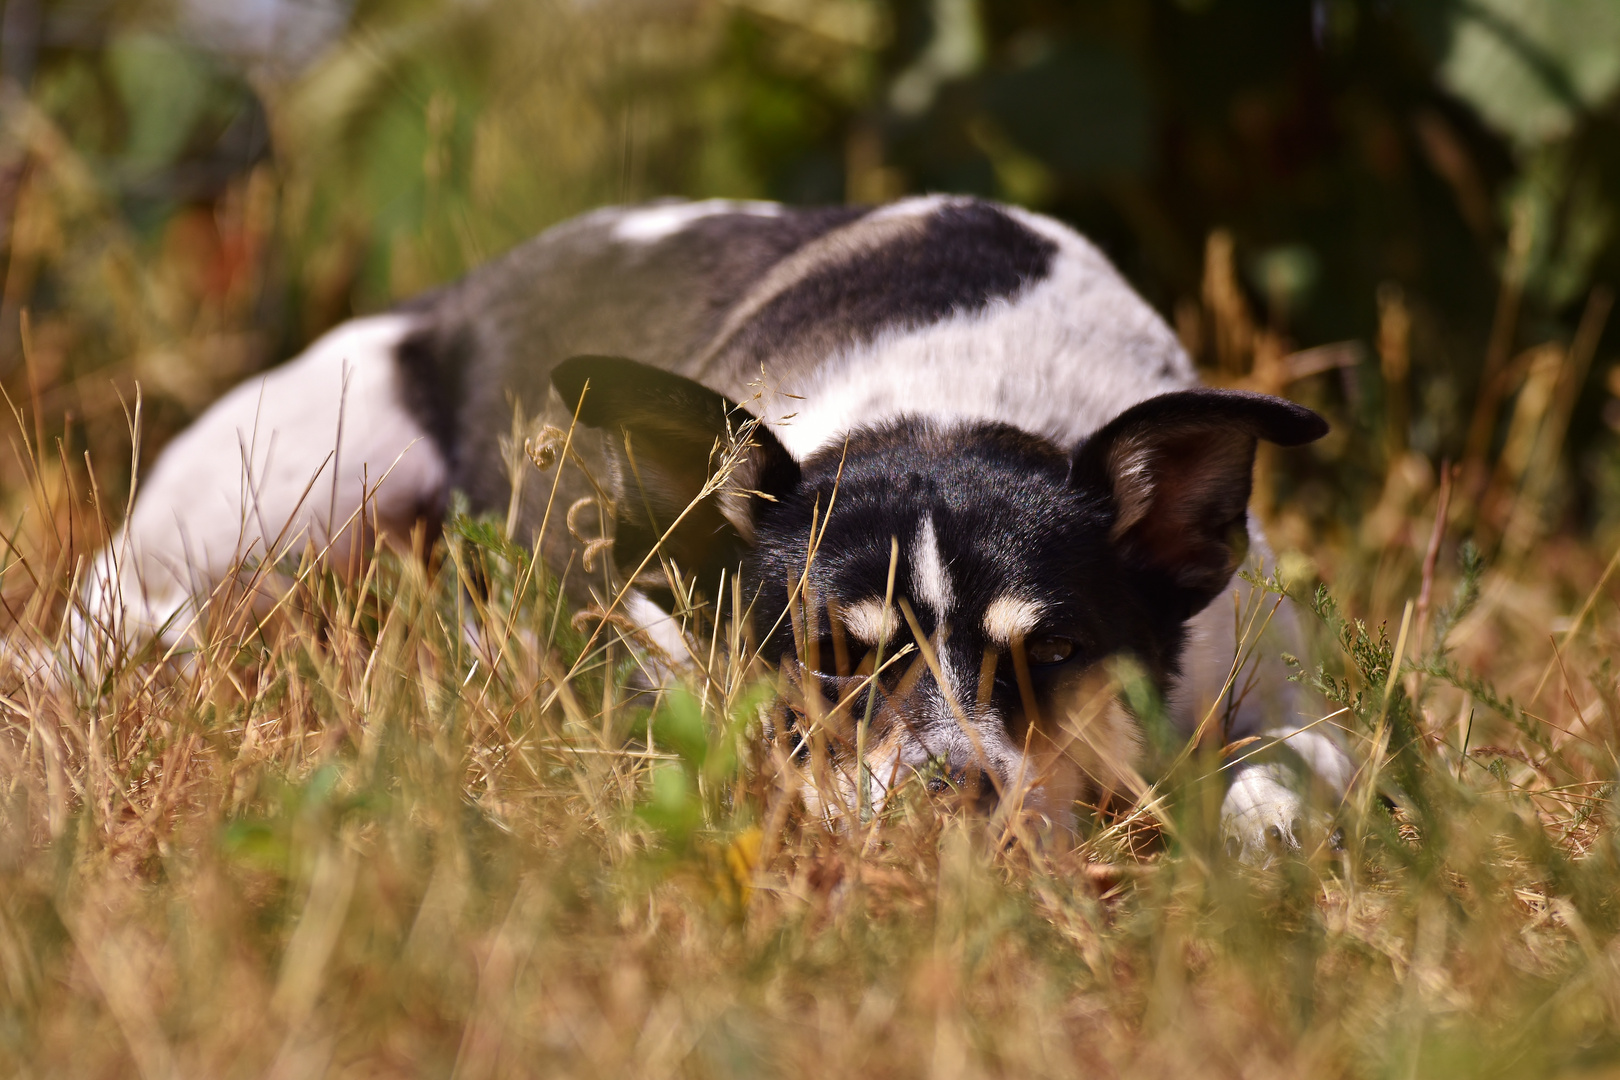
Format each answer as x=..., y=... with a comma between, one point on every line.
x=1263, y=816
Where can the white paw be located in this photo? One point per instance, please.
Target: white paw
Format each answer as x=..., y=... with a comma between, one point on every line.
x=1263, y=815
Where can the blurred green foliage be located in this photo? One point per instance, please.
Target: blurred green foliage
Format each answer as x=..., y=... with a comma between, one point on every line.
x=210, y=186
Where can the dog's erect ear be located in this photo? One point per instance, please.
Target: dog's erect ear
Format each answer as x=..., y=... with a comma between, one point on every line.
x=1177, y=470
x=668, y=436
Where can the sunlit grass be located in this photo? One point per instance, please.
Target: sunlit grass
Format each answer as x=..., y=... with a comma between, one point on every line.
x=418, y=821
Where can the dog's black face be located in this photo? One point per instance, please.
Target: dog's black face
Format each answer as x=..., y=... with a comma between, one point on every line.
x=963, y=585
x=1002, y=566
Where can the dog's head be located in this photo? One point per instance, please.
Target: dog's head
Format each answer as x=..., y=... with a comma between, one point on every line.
x=983, y=573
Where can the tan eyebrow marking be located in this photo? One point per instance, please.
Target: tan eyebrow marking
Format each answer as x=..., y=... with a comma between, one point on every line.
x=1009, y=618
x=867, y=621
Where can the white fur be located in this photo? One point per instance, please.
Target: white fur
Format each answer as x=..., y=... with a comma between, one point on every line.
x=943, y=738
x=915, y=207
x=1261, y=795
x=930, y=581
x=1060, y=360
x=259, y=475
x=1326, y=760
x=661, y=628
x=654, y=223
x=931, y=586
x=1267, y=806
x=1262, y=813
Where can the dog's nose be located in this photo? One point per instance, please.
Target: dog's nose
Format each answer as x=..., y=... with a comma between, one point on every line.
x=971, y=785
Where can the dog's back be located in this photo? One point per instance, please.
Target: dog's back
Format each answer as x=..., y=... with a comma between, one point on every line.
x=821, y=319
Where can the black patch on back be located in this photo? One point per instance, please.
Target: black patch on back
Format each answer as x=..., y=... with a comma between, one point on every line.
x=432, y=364
x=965, y=256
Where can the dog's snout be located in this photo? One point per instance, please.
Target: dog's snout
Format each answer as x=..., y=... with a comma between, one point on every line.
x=970, y=784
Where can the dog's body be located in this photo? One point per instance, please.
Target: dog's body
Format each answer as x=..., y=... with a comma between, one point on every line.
x=941, y=384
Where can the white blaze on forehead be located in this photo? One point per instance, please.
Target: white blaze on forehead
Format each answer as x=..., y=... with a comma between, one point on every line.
x=1009, y=618
x=868, y=621
x=930, y=584
x=656, y=222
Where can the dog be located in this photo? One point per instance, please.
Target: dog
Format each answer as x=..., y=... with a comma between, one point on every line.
x=951, y=434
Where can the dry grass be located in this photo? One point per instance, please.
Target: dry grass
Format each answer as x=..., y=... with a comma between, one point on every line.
x=345, y=840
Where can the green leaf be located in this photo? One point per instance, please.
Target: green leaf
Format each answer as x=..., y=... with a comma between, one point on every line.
x=255, y=843
x=165, y=88
x=673, y=804
x=679, y=726
x=1532, y=67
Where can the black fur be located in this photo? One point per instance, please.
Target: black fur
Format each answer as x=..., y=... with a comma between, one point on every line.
x=433, y=362
x=964, y=257
x=1276, y=420
x=1198, y=448
x=1006, y=521
x=670, y=432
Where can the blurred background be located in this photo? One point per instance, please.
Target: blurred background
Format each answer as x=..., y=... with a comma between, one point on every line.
x=1401, y=213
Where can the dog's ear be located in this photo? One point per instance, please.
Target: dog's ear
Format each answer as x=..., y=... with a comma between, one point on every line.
x=667, y=437
x=1177, y=471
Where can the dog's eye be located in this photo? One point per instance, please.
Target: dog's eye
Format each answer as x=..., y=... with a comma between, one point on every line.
x=824, y=661
x=1048, y=649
